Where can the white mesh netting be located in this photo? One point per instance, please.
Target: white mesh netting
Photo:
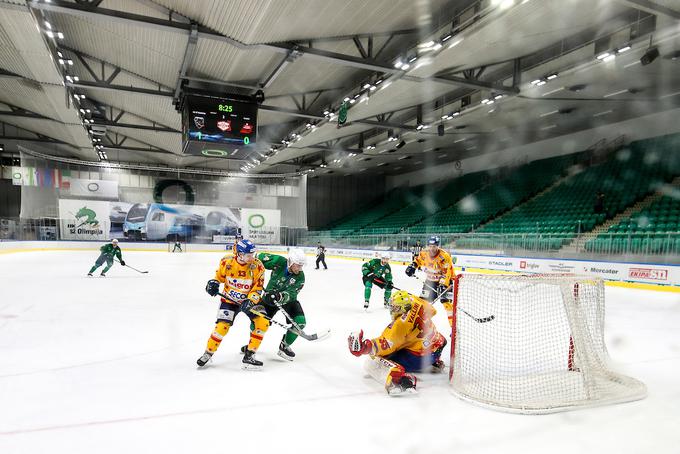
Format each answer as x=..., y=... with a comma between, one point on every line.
x=542, y=352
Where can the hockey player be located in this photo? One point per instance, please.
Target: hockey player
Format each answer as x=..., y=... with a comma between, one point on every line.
x=108, y=252
x=377, y=271
x=177, y=247
x=282, y=292
x=409, y=344
x=438, y=267
x=243, y=277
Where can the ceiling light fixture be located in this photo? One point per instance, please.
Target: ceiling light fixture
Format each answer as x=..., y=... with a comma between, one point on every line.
x=649, y=56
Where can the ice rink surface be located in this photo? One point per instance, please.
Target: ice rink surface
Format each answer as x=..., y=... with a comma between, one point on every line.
x=107, y=365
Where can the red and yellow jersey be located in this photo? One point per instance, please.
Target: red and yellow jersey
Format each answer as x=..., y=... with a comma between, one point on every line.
x=241, y=282
x=438, y=267
x=413, y=331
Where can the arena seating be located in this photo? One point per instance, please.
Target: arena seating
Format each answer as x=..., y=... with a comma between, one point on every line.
x=496, y=198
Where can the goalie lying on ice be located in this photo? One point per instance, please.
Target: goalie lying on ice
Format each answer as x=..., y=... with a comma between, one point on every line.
x=410, y=343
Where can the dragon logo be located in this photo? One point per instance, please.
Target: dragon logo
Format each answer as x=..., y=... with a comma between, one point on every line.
x=87, y=216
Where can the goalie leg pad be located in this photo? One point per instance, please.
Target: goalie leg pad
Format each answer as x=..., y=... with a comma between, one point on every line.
x=391, y=374
x=448, y=306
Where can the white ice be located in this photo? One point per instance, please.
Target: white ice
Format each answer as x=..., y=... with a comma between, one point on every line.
x=107, y=365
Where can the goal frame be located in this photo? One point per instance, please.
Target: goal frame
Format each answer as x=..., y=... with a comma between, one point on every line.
x=171, y=245
x=639, y=389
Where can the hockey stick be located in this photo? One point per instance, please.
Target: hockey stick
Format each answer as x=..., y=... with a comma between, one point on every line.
x=132, y=268
x=477, y=319
x=390, y=285
x=294, y=328
x=298, y=329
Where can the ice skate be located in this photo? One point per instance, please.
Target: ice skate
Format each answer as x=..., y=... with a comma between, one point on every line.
x=249, y=361
x=438, y=367
x=365, y=305
x=102, y=274
x=203, y=360
x=285, y=352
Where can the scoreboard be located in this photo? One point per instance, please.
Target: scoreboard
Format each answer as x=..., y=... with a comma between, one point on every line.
x=218, y=126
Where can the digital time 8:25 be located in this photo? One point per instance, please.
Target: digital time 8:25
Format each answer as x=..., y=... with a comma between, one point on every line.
x=225, y=107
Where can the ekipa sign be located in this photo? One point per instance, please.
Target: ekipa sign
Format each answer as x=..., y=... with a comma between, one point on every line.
x=648, y=273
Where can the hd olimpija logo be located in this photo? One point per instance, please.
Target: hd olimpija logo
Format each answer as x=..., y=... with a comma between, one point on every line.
x=87, y=218
x=256, y=221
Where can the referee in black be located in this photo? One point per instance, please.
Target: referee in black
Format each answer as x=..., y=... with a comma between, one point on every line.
x=320, y=255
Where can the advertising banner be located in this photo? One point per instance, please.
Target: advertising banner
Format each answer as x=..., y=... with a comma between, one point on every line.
x=84, y=219
x=615, y=271
x=100, y=189
x=145, y=221
x=261, y=226
x=161, y=222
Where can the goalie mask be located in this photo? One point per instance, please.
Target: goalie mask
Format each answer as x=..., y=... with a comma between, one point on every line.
x=400, y=303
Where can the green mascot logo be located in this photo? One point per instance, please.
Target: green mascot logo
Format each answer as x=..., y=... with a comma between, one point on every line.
x=87, y=216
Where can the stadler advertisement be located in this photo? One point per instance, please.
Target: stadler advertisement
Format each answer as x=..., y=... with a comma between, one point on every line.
x=261, y=226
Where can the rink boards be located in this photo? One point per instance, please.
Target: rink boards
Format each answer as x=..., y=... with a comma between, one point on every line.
x=656, y=274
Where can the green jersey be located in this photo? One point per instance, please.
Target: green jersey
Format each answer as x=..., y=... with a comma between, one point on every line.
x=376, y=267
x=109, y=250
x=282, y=280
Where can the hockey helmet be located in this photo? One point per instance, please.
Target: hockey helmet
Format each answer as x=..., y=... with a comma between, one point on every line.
x=245, y=247
x=433, y=241
x=400, y=303
x=297, y=256
x=114, y=241
x=385, y=255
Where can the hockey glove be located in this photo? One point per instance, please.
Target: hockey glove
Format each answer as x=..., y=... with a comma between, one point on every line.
x=272, y=298
x=122, y=262
x=212, y=287
x=411, y=269
x=247, y=305
x=357, y=344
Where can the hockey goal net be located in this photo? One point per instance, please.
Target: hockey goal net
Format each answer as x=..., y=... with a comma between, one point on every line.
x=533, y=344
x=177, y=246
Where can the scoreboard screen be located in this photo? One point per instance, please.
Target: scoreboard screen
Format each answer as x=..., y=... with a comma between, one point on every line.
x=216, y=126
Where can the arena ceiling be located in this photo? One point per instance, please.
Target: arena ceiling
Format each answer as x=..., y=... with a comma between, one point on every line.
x=80, y=77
